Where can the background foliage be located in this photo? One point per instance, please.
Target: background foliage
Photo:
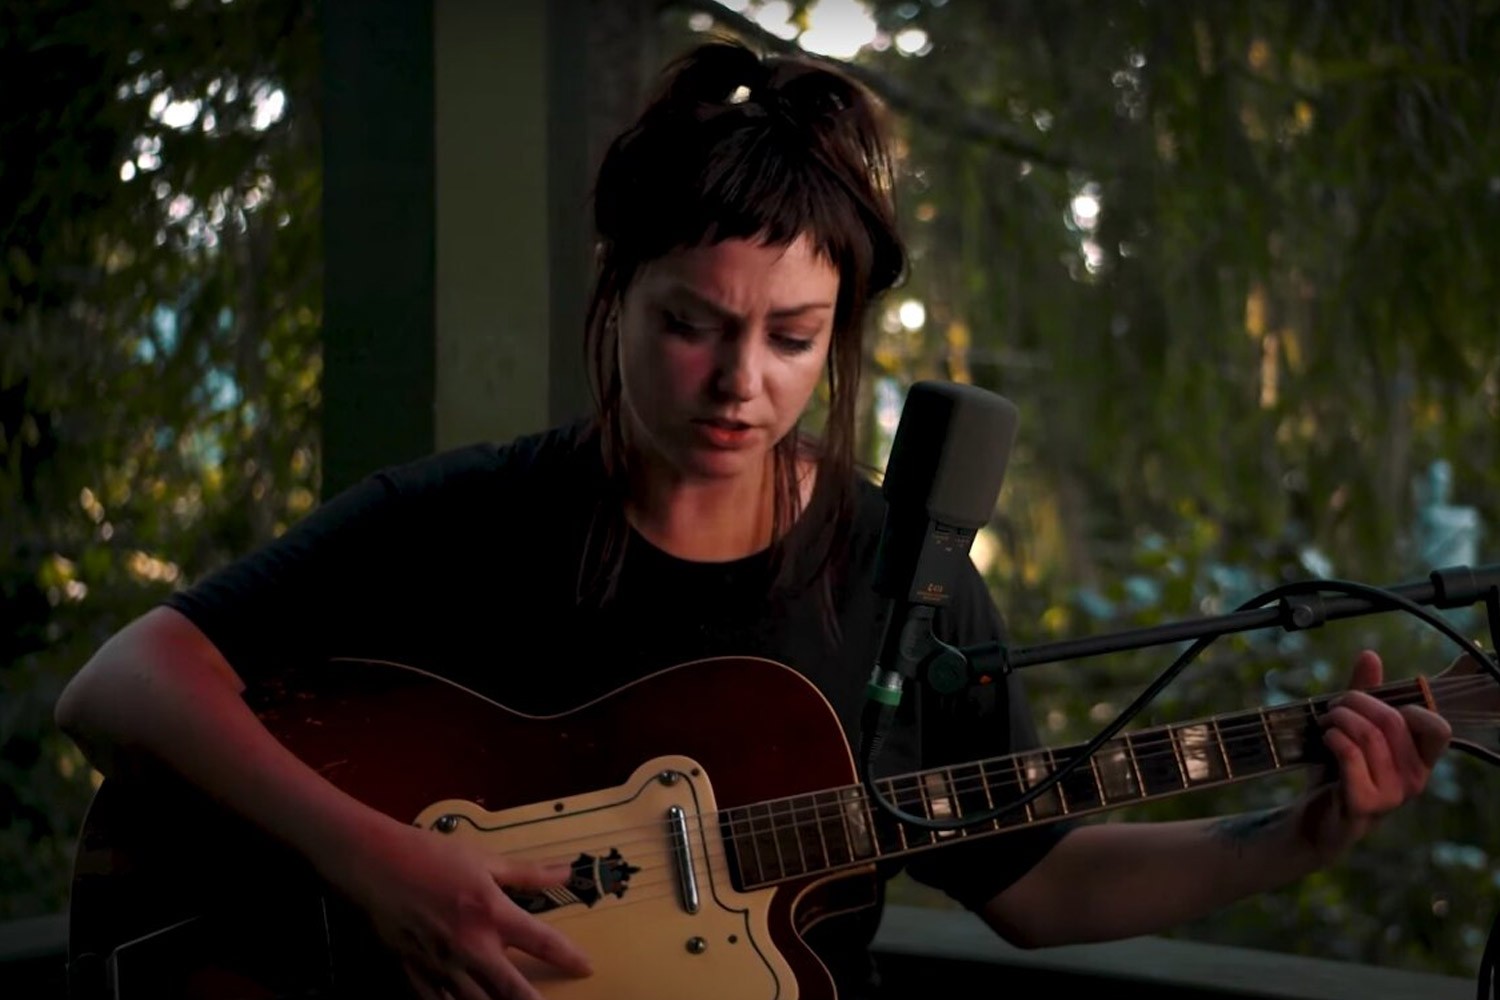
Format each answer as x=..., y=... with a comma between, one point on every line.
x=159, y=305
x=1232, y=261
x=1234, y=264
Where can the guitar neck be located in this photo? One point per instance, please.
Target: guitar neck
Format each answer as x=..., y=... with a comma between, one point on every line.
x=801, y=835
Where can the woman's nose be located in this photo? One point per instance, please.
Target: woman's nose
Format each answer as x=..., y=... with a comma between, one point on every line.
x=739, y=370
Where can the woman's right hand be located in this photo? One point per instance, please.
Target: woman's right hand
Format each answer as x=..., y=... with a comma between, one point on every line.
x=160, y=694
x=437, y=903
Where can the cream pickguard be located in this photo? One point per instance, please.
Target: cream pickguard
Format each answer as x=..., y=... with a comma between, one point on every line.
x=656, y=923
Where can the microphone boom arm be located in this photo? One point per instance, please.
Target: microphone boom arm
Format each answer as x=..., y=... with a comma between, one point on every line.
x=950, y=668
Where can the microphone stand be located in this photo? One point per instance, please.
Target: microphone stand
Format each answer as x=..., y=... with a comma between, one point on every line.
x=1297, y=606
x=950, y=668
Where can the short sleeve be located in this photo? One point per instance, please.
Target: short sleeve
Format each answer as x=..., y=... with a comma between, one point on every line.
x=294, y=598
x=983, y=722
x=413, y=564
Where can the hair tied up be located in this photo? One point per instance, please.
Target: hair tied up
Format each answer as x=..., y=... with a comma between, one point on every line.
x=773, y=103
x=724, y=76
x=712, y=75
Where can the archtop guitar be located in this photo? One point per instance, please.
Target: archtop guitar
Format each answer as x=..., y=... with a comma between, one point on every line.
x=712, y=812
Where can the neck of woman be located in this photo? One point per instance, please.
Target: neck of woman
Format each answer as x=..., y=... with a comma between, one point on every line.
x=712, y=521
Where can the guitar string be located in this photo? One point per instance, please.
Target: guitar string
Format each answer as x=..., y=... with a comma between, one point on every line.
x=1253, y=731
x=823, y=863
x=717, y=867
x=972, y=783
x=650, y=889
x=719, y=863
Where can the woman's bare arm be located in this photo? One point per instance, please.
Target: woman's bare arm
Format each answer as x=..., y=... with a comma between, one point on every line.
x=159, y=695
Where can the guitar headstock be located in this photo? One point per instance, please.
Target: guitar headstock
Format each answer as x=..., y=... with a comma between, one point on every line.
x=1467, y=694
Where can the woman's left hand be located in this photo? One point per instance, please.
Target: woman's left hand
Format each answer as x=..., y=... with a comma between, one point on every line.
x=1383, y=757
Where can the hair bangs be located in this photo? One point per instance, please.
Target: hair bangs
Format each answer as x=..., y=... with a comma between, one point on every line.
x=756, y=180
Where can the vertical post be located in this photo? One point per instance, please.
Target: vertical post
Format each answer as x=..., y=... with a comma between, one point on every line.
x=379, y=236
x=455, y=187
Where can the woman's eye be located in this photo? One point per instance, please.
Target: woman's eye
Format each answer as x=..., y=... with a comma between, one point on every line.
x=676, y=324
x=792, y=343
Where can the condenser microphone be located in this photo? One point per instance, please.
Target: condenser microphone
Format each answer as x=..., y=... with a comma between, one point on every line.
x=941, y=483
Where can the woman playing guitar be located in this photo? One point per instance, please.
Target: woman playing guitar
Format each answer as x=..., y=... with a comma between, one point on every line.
x=745, y=226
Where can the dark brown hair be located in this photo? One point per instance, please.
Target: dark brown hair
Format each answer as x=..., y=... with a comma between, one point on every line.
x=734, y=145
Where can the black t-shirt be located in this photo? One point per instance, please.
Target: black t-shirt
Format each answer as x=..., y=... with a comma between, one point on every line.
x=466, y=564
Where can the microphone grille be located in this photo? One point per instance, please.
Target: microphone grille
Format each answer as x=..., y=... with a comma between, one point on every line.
x=950, y=452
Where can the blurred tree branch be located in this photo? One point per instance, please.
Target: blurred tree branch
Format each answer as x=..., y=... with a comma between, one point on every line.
x=960, y=121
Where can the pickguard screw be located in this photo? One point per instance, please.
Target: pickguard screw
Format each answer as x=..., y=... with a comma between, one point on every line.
x=697, y=945
x=446, y=824
x=668, y=777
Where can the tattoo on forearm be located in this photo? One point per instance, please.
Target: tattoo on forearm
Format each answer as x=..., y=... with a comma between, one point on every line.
x=1240, y=830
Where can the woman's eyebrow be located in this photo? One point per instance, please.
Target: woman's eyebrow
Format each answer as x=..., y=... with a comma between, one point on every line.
x=699, y=299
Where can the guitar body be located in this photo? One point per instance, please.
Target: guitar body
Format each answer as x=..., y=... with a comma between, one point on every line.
x=711, y=814
x=173, y=898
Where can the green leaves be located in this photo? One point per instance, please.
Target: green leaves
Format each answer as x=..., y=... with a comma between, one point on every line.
x=159, y=307
x=1276, y=312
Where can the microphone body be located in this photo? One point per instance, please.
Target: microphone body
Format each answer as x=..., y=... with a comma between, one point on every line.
x=942, y=480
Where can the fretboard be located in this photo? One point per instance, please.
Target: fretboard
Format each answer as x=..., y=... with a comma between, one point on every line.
x=800, y=835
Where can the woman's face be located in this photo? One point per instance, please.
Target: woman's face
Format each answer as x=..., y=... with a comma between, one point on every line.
x=721, y=348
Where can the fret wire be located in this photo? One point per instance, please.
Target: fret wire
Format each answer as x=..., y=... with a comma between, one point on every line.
x=1223, y=750
x=1015, y=763
x=1098, y=780
x=796, y=829
x=1270, y=740
x=760, y=864
x=925, y=801
x=841, y=837
x=844, y=830
x=854, y=799
x=1182, y=770
x=727, y=816
x=900, y=825
x=843, y=811
x=989, y=799
x=775, y=840
x=953, y=799
x=1062, y=798
x=1135, y=765
x=955, y=809
x=1293, y=724
x=874, y=834
x=919, y=783
x=822, y=840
